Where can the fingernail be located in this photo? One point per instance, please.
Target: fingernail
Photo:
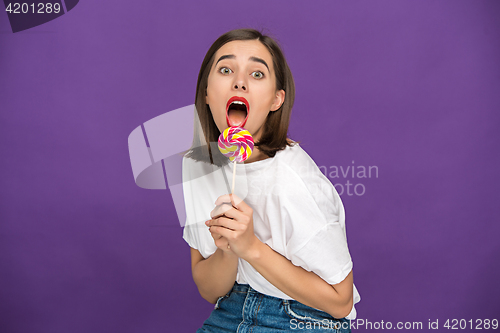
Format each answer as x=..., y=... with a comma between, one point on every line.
x=206, y=222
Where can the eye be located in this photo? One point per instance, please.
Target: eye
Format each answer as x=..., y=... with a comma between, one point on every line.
x=225, y=70
x=258, y=75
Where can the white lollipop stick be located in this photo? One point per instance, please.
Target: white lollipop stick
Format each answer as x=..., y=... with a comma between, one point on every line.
x=234, y=176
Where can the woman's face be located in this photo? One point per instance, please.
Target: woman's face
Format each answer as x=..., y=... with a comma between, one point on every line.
x=241, y=88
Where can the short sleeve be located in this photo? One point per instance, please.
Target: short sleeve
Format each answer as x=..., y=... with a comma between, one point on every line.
x=316, y=237
x=326, y=254
x=190, y=237
x=198, y=200
x=198, y=237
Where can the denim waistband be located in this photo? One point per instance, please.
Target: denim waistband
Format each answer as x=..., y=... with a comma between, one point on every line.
x=243, y=288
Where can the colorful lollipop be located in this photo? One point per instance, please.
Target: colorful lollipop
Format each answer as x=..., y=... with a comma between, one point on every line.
x=237, y=144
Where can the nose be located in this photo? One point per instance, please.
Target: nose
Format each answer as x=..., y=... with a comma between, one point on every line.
x=240, y=83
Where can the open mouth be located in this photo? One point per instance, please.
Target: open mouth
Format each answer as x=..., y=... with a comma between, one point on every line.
x=237, y=110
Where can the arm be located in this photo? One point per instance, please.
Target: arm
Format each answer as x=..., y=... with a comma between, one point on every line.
x=306, y=287
x=215, y=275
x=303, y=286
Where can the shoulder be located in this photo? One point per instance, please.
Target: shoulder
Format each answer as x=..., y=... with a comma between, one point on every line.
x=310, y=182
x=299, y=163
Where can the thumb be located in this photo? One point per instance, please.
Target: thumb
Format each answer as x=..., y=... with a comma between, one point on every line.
x=235, y=200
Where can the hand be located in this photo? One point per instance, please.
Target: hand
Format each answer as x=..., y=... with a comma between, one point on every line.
x=232, y=224
x=221, y=242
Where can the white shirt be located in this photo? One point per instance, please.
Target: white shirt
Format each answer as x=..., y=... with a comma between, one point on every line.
x=296, y=211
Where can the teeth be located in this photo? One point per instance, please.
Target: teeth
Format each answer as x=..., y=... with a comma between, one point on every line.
x=238, y=102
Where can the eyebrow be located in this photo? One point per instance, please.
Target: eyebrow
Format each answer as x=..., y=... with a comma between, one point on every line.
x=232, y=56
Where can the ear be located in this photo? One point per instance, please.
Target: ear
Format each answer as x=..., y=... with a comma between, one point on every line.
x=206, y=97
x=278, y=100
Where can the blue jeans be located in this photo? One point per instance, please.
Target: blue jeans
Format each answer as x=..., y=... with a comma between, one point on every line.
x=244, y=309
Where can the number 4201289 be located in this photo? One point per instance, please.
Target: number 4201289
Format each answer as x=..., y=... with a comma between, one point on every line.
x=39, y=8
x=479, y=324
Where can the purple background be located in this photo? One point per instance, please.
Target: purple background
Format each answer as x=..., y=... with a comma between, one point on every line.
x=411, y=87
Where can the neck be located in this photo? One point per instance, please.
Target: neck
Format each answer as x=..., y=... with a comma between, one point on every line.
x=257, y=155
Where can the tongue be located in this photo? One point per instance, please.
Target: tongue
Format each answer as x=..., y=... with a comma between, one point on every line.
x=236, y=117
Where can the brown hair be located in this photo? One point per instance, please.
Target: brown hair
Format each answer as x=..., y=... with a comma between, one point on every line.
x=274, y=137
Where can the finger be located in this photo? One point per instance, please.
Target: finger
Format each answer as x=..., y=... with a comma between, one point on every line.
x=231, y=213
x=215, y=231
x=234, y=200
x=220, y=210
x=234, y=214
x=224, y=232
x=216, y=236
x=239, y=204
x=223, y=222
x=223, y=199
x=222, y=243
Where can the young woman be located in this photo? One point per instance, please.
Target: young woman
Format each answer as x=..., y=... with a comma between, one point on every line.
x=274, y=256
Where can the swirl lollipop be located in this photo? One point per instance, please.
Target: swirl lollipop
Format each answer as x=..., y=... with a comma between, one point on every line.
x=237, y=144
